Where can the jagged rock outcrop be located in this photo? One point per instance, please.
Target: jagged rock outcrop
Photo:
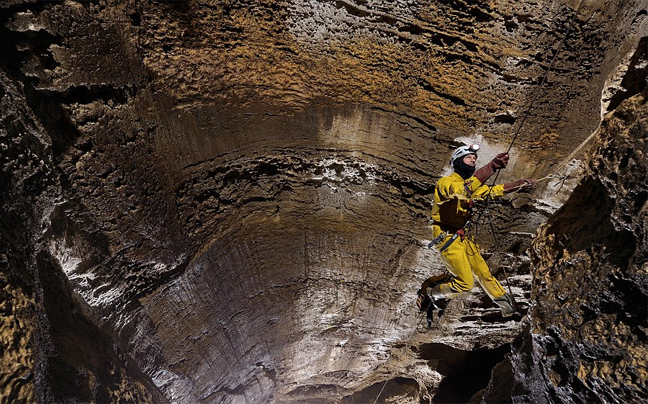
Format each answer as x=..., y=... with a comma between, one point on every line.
x=227, y=201
x=589, y=326
x=586, y=339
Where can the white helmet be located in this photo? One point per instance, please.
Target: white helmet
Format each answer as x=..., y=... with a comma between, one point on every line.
x=463, y=151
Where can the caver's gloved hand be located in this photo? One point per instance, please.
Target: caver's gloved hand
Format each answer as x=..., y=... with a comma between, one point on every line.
x=500, y=161
x=521, y=185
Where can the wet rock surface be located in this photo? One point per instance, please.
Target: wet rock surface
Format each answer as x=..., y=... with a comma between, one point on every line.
x=227, y=201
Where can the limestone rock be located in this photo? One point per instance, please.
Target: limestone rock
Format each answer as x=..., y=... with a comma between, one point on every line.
x=587, y=340
x=228, y=201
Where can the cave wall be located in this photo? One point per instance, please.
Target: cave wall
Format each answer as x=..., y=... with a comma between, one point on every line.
x=588, y=337
x=51, y=352
x=586, y=332
x=221, y=201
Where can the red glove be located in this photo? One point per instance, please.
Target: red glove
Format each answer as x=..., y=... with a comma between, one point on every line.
x=521, y=185
x=500, y=161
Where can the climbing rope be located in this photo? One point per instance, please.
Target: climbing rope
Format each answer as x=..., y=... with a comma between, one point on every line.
x=419, y=317
x=485, y=208
x=526, y=114
x=536, y=93
x=546, y=74
x=534, y=97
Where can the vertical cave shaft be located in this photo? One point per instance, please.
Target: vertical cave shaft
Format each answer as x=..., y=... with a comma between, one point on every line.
x=226, y=202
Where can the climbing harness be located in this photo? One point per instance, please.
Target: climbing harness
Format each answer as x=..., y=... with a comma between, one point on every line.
x=461, y=233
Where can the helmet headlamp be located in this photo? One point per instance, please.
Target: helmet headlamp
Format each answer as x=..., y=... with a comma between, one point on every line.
x=463, y=151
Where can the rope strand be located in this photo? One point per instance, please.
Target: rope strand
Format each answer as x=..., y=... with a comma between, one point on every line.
x=515, y=136
x=526, y=114
x=536, y=93
x=418, y=322
x=544, y=77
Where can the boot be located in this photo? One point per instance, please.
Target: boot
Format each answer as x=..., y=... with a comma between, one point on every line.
x=429, y=316
x=506, y=303
x=423, y=302
x=438, y=299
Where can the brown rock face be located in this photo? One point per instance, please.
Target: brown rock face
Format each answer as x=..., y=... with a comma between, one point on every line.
x=227, y=201
x=588, y=336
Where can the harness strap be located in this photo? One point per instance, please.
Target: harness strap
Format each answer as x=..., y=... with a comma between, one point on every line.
x=438, y=239
x=460, y=233
x=448, y=243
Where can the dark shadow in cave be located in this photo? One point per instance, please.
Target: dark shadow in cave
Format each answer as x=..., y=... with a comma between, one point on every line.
x=584, y=224
x=466, y=372
x=82, y=363
x=635, y=80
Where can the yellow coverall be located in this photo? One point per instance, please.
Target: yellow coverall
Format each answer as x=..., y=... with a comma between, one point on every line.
x=450, y=212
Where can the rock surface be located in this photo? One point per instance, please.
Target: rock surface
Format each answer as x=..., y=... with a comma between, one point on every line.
x=587, y=341
x=227, y=201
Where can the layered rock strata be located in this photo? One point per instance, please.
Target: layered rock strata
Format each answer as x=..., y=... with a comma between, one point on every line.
x=227, y=201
